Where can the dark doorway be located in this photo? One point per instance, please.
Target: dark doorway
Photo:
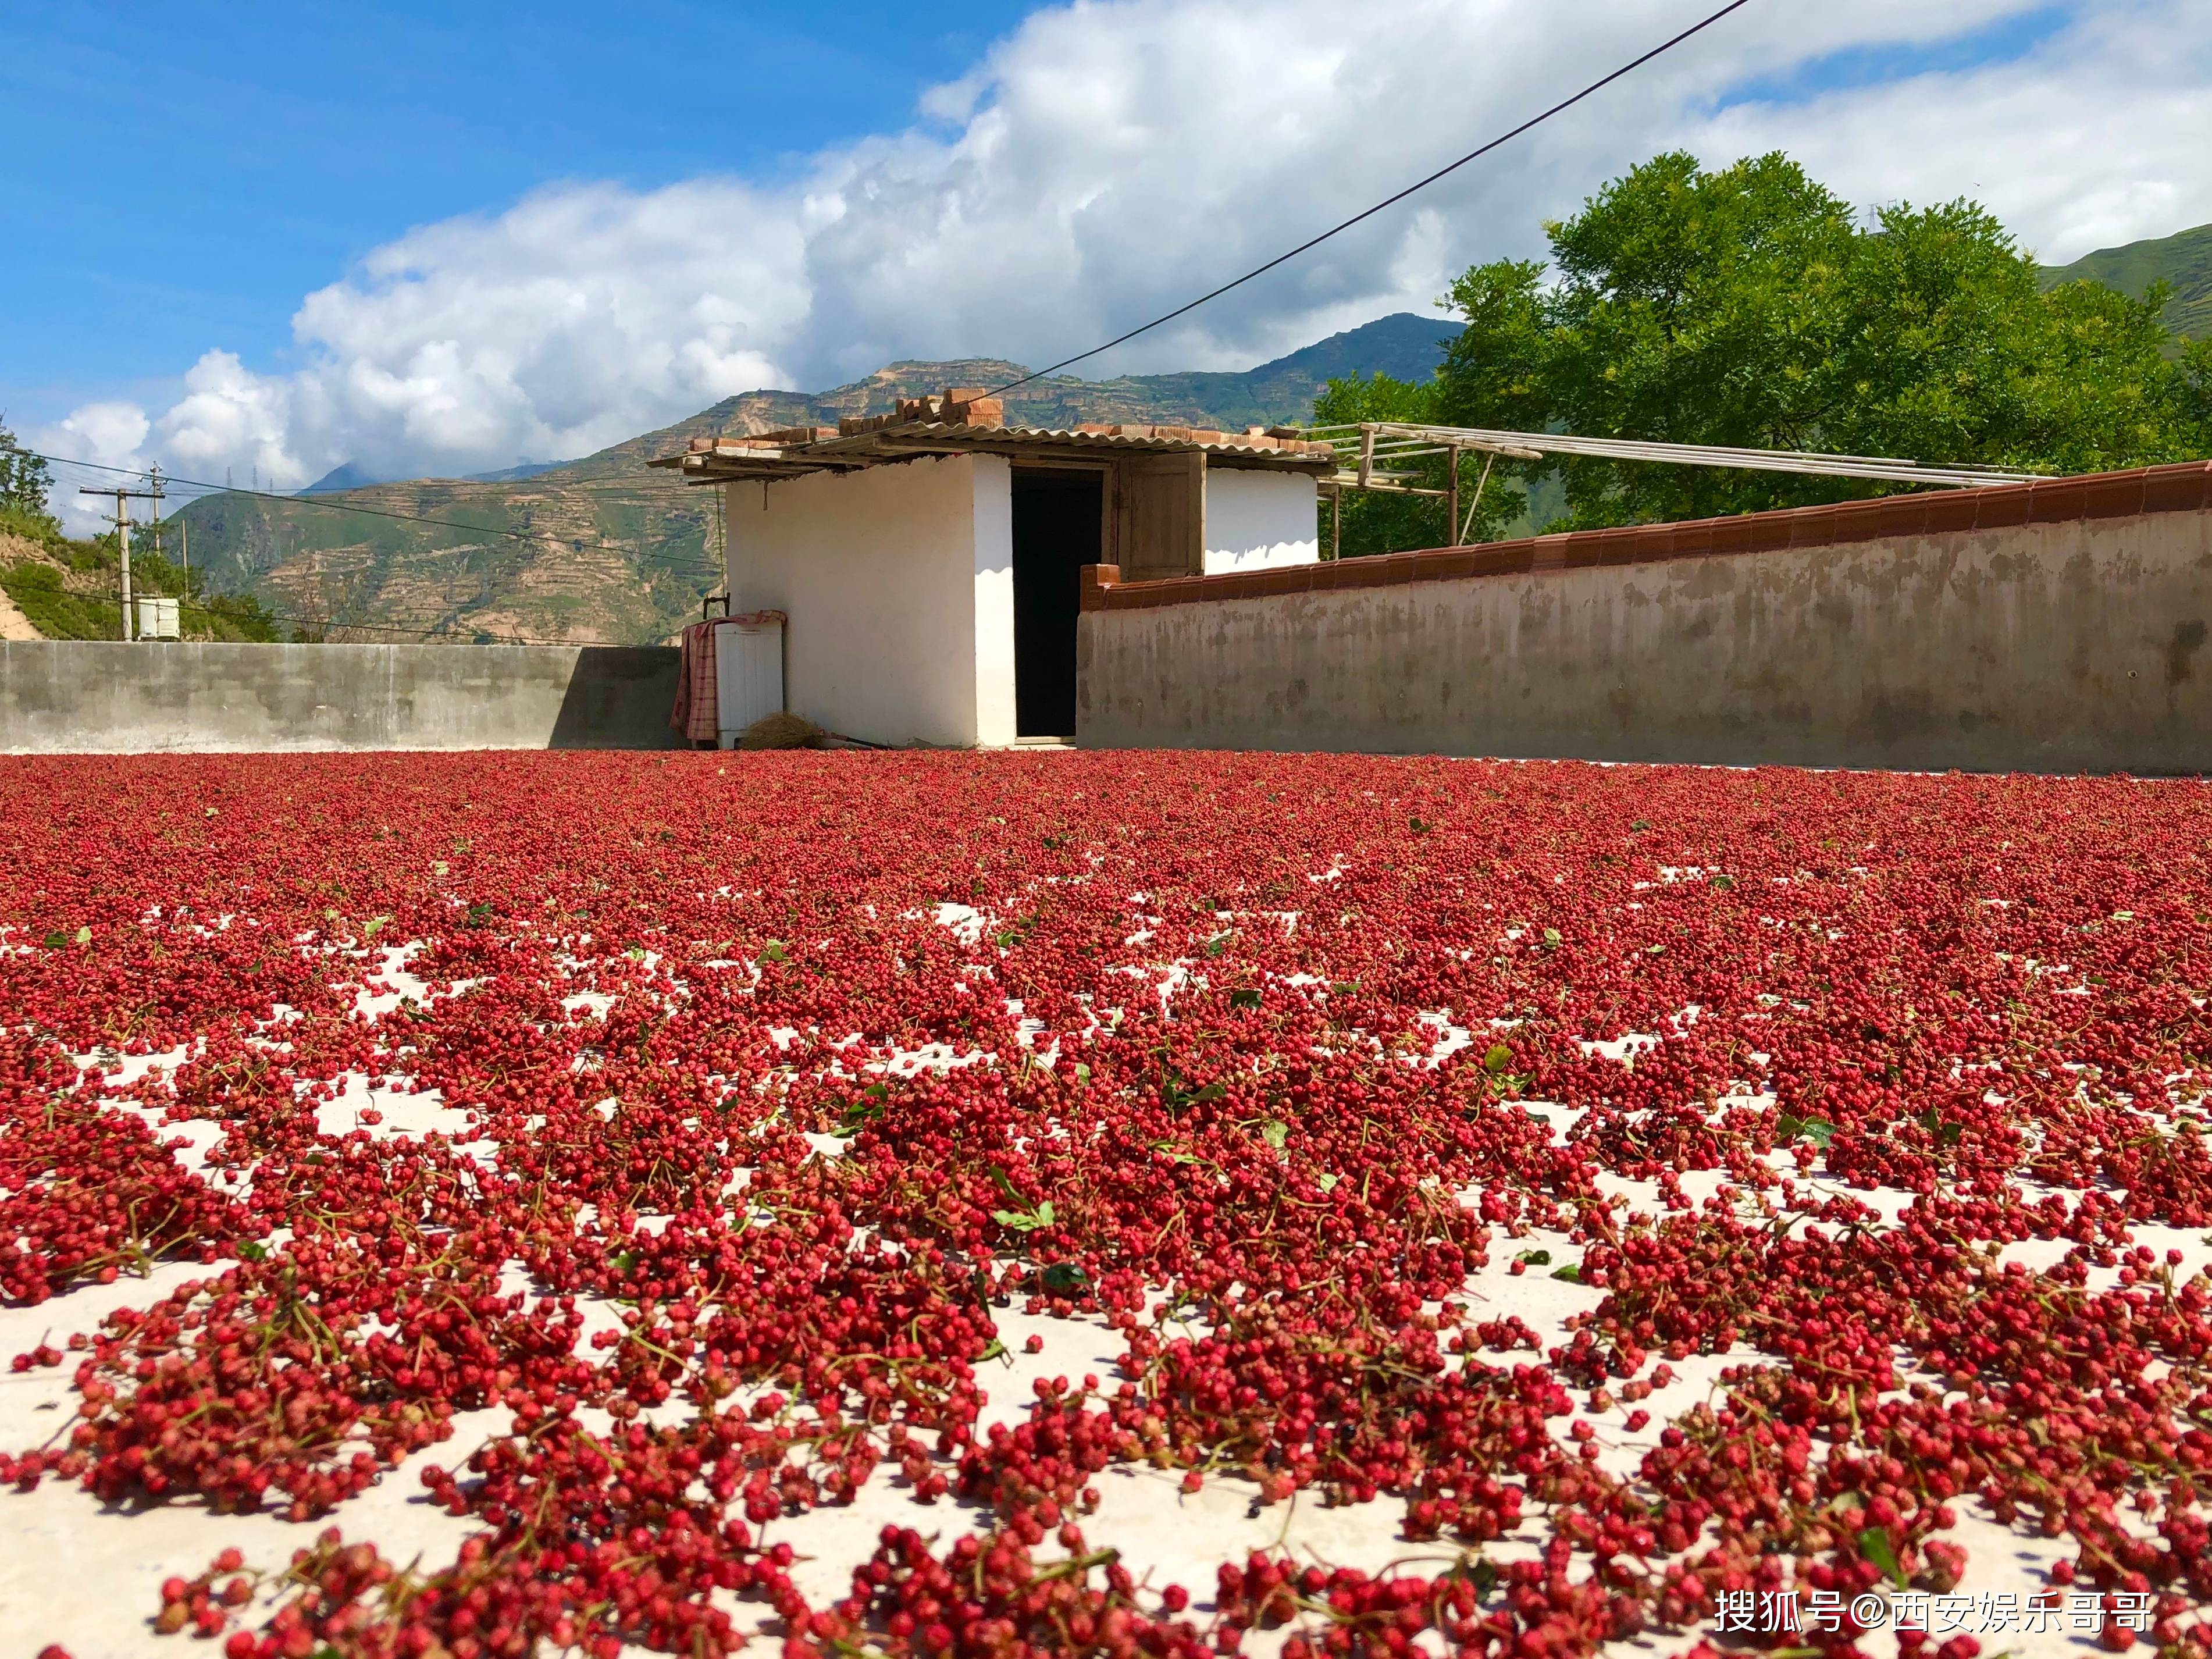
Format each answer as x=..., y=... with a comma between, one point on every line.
x=1057, y=524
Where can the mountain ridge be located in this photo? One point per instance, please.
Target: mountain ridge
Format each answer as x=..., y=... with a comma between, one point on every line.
x=602, y=550
x=347, y=475
x=2184, y=259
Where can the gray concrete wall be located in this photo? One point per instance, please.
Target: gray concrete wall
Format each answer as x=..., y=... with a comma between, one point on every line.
x=96, y=697
x=2056, y=646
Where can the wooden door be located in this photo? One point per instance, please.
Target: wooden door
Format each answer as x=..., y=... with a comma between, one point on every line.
x=1160, y=513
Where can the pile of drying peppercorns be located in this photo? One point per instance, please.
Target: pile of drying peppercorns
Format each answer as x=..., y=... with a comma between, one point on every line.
x=793, y=1073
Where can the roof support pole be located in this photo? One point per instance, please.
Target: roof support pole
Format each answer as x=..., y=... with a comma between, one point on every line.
x=1451, y=494
x=1487, y=462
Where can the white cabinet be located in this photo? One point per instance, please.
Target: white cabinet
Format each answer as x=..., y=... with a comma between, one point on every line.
x=157, y=618
x=748, y=671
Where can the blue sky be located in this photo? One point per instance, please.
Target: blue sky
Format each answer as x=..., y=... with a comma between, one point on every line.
x=446, y=237
x=188, y=172
x=2000, y=40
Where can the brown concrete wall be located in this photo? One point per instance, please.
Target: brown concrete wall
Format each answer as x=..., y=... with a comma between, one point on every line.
x=2055, y=641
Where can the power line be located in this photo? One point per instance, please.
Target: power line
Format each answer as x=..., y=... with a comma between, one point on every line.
x=358, y=627
x=1365, y=214
x=326, y=506
x=444, y=627
x=642, y=494
x=1451, y=167
x=261, y=611
x=452, y=619
x=697, y=569
x=526, y=537
x=1387, y=202
x=368, y=627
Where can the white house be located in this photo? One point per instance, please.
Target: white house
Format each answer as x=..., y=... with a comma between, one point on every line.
x=929, y=562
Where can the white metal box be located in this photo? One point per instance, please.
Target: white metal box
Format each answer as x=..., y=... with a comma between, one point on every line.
x=157, y=618
x=748, y=671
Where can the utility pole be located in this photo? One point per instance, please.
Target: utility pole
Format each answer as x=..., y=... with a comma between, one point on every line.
x=153, y=476
x=122, y=533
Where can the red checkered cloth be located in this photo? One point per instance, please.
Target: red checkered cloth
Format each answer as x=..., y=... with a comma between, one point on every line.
x=695, y=712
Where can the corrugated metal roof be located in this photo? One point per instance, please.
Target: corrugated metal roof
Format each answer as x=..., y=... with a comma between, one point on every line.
x=795, y=451
x=1134, y=436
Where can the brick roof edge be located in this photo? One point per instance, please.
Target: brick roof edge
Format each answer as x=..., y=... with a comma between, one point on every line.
x=2181, y=487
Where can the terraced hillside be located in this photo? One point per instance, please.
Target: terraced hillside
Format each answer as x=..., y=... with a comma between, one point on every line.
x=602, y=550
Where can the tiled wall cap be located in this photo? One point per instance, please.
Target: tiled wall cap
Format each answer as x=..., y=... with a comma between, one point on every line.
x=2182, y=486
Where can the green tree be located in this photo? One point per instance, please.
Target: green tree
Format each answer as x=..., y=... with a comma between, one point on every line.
x=1750, y=307
x=25, y=488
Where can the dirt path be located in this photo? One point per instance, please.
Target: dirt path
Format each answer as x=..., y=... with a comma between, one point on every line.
x=13, y=624
x=13, y=549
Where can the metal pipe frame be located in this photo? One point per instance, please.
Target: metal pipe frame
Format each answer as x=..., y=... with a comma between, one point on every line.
x=1411, y=440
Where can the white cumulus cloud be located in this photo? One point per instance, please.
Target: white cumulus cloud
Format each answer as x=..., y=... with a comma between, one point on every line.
x=1110, y=160
x=2100, y=135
